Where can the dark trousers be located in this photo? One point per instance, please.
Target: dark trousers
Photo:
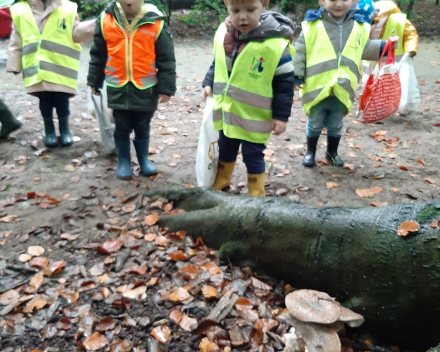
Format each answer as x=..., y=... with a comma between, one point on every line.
x=253, y=156
x=128, y=120
x=57, y=100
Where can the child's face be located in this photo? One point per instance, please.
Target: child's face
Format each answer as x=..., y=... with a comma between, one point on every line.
x=338, y=8
x=131, y=7
x=245, y=15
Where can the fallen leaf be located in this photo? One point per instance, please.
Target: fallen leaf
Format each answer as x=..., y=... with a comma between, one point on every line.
x=207, y=346
x=189, y=272
x=179, y=295
x=435, y=224
x=135, y=293
x=35, y=251
x=95, y=342
x=177, y=255
x=403, y=167
x=8, y=218
x=394, y=189
x=161, y=241
x=36, y=304
x=69, y=237
x=128, y=208
x=429, y=180
x=37, y=280
x=140, y=270
x=151, y=219
x=150, y=237
x=176, y=316
x=352, y=155
x=332, y=184
x=9, y=297
x=420, y=162
x=376, y=189
x=243, y=304
x=187, y=323
x=379, y=204
x=408, y=226
x=268, y=152
x=209, y=291
x=177, y=156
x=69, y=168
x=212, y=268
x=110, y=246
x=161, y=333
x=54, y=268
x=365, y=193
x=286, y=172
x=118, y=194
x=24, y=258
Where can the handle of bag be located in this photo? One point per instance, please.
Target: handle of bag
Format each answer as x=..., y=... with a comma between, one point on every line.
x=389, y=50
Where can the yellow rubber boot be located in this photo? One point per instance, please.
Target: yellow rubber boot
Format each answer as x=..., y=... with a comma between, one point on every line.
x=224, y=175
x=256, y=185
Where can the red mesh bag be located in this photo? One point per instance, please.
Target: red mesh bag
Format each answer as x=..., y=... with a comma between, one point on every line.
x=382, y=91
x=5, y=22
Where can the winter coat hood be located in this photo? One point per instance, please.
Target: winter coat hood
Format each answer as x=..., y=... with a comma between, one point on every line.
x=384, y=8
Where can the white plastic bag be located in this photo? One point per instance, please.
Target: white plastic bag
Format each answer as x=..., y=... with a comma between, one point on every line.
x=410, y=101
x=207, y=150
x=105, y=126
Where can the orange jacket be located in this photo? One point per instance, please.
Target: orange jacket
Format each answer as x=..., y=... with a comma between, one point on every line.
x=386, y=8
x=131, y=56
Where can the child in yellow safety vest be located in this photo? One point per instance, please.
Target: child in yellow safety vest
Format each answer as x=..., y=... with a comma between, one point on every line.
x=327, y=67
x=389, y=21
x=134, y=53
x=44, y=46
x=251, y=80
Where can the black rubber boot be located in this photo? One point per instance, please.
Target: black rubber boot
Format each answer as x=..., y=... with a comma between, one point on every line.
x=309, y=158
x=124, y=161
x=147, y=167
x=332, y=151
x=9, y=122
x=51, y=139
x=66, y=138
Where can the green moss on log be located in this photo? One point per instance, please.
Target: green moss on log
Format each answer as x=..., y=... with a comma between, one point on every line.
x=428, y=213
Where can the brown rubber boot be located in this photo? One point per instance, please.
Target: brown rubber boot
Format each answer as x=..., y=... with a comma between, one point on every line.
x=256, y=185
x=224, y=175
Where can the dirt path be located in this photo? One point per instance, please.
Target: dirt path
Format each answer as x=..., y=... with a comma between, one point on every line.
x=175, y=130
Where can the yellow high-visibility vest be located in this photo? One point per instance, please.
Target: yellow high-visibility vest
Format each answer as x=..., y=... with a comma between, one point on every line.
x=396, y=26
x=243, y=99
x=325, y=73
x=51, y=56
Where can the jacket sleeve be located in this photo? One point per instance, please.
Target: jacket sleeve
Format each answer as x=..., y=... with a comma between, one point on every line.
x=98, y=58
x=373, y=50
x=410, y=37
x=299, y=60
x=14, y=51
x=282, y=86
x=82, y=30
x=209, y=78
x=165, y=62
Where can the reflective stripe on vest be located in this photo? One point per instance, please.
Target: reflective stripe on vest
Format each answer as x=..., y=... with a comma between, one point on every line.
x=396, y=26
x=243, y=99
x=121, y=49
x=51, y=56
x=325, y=73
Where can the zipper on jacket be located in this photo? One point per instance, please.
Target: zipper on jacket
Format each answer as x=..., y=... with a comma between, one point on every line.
x=340, y=43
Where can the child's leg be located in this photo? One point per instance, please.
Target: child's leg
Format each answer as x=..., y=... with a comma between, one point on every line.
x=315, y=124
x=253, y=157
x=141, y=125
x=336, y=111
x=226, y=164
x=123, y=127
x=61, y=103
x=9, y=123
x=46, y=108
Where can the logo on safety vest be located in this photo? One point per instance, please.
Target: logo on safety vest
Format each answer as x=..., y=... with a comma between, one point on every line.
x=62, y=24
x=256, y=67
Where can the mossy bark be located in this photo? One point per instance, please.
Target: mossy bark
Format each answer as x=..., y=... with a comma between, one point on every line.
x=354, y=255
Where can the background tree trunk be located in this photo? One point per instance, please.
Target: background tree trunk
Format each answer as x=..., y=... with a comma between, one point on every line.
x=409, y=8
x=354, y=255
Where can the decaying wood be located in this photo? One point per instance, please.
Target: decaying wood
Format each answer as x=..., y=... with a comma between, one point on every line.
x=223, y=307
x=353, y=254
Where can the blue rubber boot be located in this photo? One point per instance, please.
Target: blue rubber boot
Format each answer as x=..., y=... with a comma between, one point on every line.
x=51, y=140
x=66, y=138
x=147, y=167
x=124, y=161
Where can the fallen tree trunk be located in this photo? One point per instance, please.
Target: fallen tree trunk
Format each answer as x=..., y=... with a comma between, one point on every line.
x=353, y=254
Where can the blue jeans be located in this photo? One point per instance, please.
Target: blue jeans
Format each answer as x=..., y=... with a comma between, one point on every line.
x=57, y=100
x=253, y=156
x=327, y=113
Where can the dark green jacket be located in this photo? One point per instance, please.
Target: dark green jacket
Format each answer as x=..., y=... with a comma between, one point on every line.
x=129, y=97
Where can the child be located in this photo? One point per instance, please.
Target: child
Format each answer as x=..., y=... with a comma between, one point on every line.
x=9, y=123
x=134, y=51
x=328, y=74
x=252, y=82
x=44, y=46
x=389, y=21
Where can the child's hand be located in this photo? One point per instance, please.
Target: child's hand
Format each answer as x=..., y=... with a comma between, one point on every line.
x=95, y=91
x=206, y=92
x=297, y=87
x=395, y=41
x=278, y=126
x=412, y=54
x=164, y=98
